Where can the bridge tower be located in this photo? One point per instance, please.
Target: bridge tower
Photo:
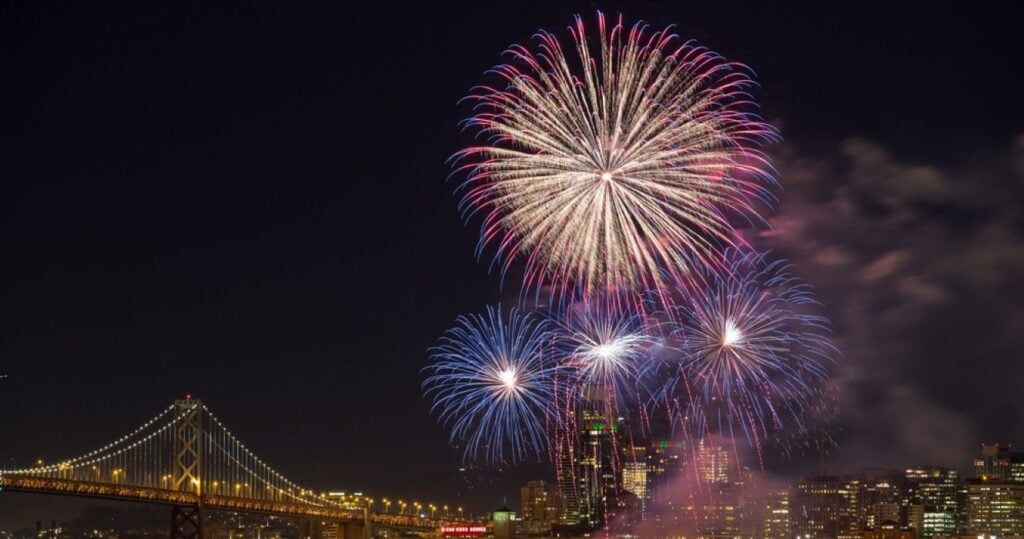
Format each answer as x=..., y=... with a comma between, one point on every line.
x=187, y=468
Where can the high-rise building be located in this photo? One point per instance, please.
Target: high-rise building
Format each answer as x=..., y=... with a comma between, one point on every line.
x=567, y=444
x=999, y=463
x=939, y=492
x=718, y=502
x=775, y=515
x=634, y=478
x=539, y=506
x=719, y=510
x=882, y=500
x=635, y=467
x=995, y=498
x=665, y=463
x=588, y=467
x=995, y=508
x=714, y=463
x=825, y=506
x=915, y=517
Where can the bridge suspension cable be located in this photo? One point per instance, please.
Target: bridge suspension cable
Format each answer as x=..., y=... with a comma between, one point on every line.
x=183, y=448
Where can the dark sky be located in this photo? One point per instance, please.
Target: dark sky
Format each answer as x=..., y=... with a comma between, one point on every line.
x=249, y=203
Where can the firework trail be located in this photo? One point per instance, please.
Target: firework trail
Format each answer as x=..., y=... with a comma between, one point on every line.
x=492, y=387
x=607, y=163
x=753, y=354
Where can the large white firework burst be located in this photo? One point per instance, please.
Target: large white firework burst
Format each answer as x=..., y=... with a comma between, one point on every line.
x=606, y=165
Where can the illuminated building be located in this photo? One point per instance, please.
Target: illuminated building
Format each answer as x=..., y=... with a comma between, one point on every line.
x=882, y=499
x=665, y=457
x=588, y=468
x=939, y=492
x=889, y=530
x=718, y=503
x=597, y=465
x=774, y=518
x=825, y=507
x=567, y=447
x=539, y=507
x=665, y=462
x=714, y=463
x=634, y=482
x=634, y=471
x=995, y=508
x=915, y=517
x=504, y=523
x=995, y=498
x=998, y=463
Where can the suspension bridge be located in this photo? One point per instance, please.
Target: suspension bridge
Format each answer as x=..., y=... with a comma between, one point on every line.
x=185, y=458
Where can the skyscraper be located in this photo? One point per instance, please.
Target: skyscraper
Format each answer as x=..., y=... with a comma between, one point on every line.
x=995, y=498
x=635, y=469
x=824, y=506
x=938, y=490
x=775, y=515
x=998, y=463
x=882, y=499
x=717, y=497
x=635, y=482
x=588, y=464
x=995, y=508
x=539, y=506
x=714, y=463
x=665, y=464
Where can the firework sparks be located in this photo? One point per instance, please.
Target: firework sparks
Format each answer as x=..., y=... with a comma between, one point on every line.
x=606, y=350
x=753, y=356
x=491, y=386
x=610, y=162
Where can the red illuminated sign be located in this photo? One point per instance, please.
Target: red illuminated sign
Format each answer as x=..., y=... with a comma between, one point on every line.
x=463, y=531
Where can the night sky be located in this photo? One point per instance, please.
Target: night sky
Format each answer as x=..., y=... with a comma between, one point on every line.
x=249, y=203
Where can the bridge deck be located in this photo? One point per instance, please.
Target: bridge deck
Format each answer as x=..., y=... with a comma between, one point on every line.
x=138, y=494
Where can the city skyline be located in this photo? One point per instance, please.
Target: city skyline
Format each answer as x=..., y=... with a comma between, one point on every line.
x=249, y=204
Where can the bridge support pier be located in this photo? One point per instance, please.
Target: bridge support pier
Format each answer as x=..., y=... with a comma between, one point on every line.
x=311, y=528
x=354, y=530
x=186, y=522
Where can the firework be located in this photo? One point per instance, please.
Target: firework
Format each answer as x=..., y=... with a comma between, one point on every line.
x=753, y=353
x=609, y=163
x=491, y=385
x=604, y=350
